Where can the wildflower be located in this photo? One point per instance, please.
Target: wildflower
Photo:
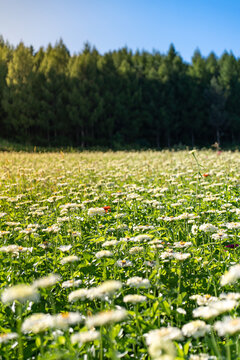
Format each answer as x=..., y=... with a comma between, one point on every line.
x=46, y=281
x=140, y=238
x=166, y=333
x=12, y=223
x=106, y=317
x=134, y=299
x=85, y=336
x=162, y=350
x=103, y=253
x=135, y=250
x=70, y=206
x=206, y=175
x=157, y=241
x=4, y=232
x=182, y=244
x=63, y=320
x=45, y=245
x=64, y=248
x=96, y=211
x=233, y=225
x=202, y=356
x=181, y=256
x=228, y=326
x=78, y=294
x=28, y=230
x=37, y=323
x=223, y=305
x=197, y=328
x=125, y=239
x=230, y=296
x=214, y=309
x=204, y=299
x=169, y=254
x=138, y=282
x=231, y=276
x=110, y=243
x=231, y=246
x=185, y=216
x=52, y=229
x=167, y=218
x=194, y=229
x=107, y=208
x=107, y=288
x=181, y=311
x=68, y=259
x=124, y=263
x=71, y=283
x=5, y=337
x=220, y=236
x=15, y=249
x=208, y=228
x=20, y=292
x=63, y=219
x=143, y=227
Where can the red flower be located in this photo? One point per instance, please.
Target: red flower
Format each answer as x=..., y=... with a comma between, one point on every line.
x=107, y=208
x=232, y=246
x=206, y=175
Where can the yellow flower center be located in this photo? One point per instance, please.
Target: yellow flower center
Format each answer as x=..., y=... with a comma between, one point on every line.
x=235, y=322
x=65, y=315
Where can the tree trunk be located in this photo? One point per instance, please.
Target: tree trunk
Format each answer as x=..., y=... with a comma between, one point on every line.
x=77, y=135
x=55, y=134
x=168, y=140
x=193, y=140
x=157, y=137
x=48, y=135
x=218, y=136
x=82, y=138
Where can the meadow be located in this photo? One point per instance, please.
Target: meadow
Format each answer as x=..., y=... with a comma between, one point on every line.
x=125, y=255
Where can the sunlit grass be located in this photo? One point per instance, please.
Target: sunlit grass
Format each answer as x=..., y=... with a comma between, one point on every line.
x=123, y=255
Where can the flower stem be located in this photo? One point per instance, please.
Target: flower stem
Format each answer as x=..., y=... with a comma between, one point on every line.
x=19, y=325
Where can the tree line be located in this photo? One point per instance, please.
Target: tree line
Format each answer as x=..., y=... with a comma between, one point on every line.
x=119, y=99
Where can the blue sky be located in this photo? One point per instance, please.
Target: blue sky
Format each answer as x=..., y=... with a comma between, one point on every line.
x=210, y=25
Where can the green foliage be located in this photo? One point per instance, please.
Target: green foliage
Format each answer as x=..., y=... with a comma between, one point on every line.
x=116, y=100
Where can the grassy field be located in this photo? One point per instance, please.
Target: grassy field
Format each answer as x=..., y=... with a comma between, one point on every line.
x=120, y=255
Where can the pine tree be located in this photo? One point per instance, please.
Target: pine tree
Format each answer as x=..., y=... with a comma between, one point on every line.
x=217, y=97
x=17, y=99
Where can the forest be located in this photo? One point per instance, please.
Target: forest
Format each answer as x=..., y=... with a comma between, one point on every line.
x=119, y=99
